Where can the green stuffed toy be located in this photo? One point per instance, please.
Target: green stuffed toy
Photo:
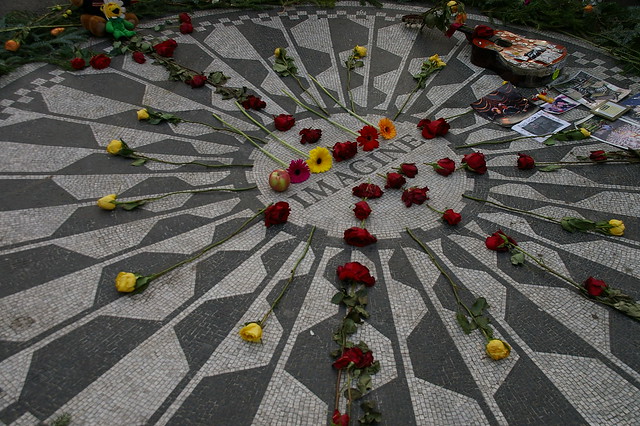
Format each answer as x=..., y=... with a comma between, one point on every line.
x=116, y=24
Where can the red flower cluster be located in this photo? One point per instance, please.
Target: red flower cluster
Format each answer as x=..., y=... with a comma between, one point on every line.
x=595, y=287
x=344, y=150
x=358, y=237
x=409, y=169
x=276, y=213
x=451, y=217
x=368, y=138
x=367, y=190
x=598, y=156
x=166, y=48
x=78, y=63
x=253, y=102
x=475, y=162
x=362, y=210
x=310, y=135
x=395, y=181
x=196, y=81
x=496, y=241
x=284, y=122
x=414, y=196
x=357, y=272
x=444, y=166
x=139, y=57
x=100, y=61
x=526, y=162
x=431, y=129
x=356, y=356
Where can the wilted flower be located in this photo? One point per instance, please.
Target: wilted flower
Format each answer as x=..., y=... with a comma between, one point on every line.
x=251, y=332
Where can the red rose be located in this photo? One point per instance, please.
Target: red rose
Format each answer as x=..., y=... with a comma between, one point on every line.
x=367, y=190
x=78, y=63
x=356, y=356
x=186, y=28
x=166, y=48
x=475, y=162
x=284, y=122
x=444, y=166
x=451, y=217
x=356, y=272
x=184, y=17
x=139, y=57
x=395, y=181
x=595, y=287
x=344, y=150
x=197, y=81
x=483, y=31
x=431, y=129
x=368, y=138
x=358, y=237
x=310, y=135
x=276, y=213
x=452, y=29
x=100, y=61
x=414, y=196
x=365, y=360
x=253, y=102
x=340, y=419
x=496, y=241
x=598, y=156
x=526, y=162
x=362, y=210
x=409, y=169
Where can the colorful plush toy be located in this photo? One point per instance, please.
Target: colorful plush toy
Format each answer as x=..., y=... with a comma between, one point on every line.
x=116, y=24
x=93, y=19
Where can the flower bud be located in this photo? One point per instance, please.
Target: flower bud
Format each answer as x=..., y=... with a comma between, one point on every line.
x=114, y=147
x=107, y=202
x=251, y=332
x=617, y=227
x=126, y=282
x=276, y=52
x=143, y=114
x=12, y=45
x=57, y=31
x=497, y=349
x=585, y=132
x=360, y=51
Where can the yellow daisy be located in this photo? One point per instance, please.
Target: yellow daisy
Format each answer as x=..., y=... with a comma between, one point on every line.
x=319, y=160
x=387, y=128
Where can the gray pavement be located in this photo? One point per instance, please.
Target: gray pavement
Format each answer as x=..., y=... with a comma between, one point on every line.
x=70, y=343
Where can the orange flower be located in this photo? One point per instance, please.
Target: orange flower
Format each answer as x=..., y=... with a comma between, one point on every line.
x=387, y=128
x=461, y=18
x=57, y=31
x=588, y=8
x=12, y=45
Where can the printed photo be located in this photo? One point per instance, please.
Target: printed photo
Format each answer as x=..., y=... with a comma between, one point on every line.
x=589, y=90
x=539, y=124
x=618, y=133
x=505, y=105
x=561, y=104
x=633, y=115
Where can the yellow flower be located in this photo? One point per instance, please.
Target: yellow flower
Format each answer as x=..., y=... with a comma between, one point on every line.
x=114, y=147
x=585, y=132
x=617, y=227
x=497, y=349
x=251, y=332
x=453, y=6
x=387, y=128
x=434, y=58
x=360, y=51
x=126, y=282
x=107, y=202
x=143, y=114
x=277, y=52
x=12, y=45
x=320, y=160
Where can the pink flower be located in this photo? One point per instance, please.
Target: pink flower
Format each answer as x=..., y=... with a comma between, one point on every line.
x=298, y=171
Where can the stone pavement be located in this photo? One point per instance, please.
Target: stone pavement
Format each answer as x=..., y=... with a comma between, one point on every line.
x=172, y=355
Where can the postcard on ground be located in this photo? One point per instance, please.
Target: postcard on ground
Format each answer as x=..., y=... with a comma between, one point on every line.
x=620, y=133
x=505, y=105
x=541, y=124
x=560, y=104
x=589, y=90
x=633, y=102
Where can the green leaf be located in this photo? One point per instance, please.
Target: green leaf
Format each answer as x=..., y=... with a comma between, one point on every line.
x=133, y=204
x=479, y=306
x=337, y=298
x=364, y=383
x=355, y=393
x=348, y=326
x=360, y=310
x=550, y=142
x=359, y=64
x=336, y=353
x=139, y=162
x=482, y=321
x=467, y=327
x=279, y=67
x=517, y=258
x=550, y=168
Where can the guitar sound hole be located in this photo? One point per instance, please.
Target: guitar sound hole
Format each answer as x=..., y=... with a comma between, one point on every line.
x=503, y=43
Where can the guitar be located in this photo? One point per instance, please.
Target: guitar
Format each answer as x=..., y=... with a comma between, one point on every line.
x=521, y=61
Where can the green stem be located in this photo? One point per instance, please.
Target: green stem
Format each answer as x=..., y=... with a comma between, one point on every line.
x=222, y=129
x=340, y=126
x=270, y=133
x=209, y=247
x=293, y=272
x=179, y=163
x=552, y=219
x=308, y=92
x=339, y=103
x=432, y=209
x=584, y=162
x=545, y=267
x=353, y=107
x=503, y=141
x=406, y=102
x=38, y=26
x=264, y=151
x=459, y=115
x=454, y=287
x=188, y=191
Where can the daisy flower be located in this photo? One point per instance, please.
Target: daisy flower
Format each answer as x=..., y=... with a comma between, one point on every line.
x=319, y=160
x=298, y=171
x=387, y=128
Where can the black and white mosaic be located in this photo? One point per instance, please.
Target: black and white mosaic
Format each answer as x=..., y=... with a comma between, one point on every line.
x=69, y=343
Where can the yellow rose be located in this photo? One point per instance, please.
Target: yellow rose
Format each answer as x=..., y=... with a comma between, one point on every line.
x=126, y=282
x=114, y=147
x=360, y=51
x=440, y=63
x=617, y=227
x=585, y=132
x=251, y=332
x=453, y=6
x=277, y=52
x=107, y=202
x=497, y=349
x=143, y=114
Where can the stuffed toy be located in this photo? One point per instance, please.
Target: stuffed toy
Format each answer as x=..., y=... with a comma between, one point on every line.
x=93, y=18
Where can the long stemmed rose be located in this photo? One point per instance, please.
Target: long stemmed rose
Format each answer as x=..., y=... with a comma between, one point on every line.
x=109, y=202
x=355, y=360
x=572, y=224
x=592, y=288
x=359, y=236
x=440, y=127
x=449, y=216
x=526, y=162
x=252, y=331
x=354, y=61
x=131, y=282
x=470, y=318
x=565, y=135
x=428, y=67
x=118, y=147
